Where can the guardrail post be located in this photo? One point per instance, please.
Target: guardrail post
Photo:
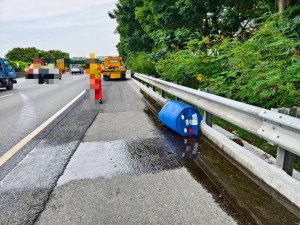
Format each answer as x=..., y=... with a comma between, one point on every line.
x=285, y=159
x=288, y=163
x=295, y=112
x=153, y=87
x=163, y=94
x=208, y=116
x=180, y=83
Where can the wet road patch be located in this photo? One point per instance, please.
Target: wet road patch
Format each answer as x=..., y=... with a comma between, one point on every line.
x=108, y=159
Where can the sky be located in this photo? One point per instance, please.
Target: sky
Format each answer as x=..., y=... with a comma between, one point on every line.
x=79, y=27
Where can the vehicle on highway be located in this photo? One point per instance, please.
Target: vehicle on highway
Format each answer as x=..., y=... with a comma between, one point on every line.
x=113, y=68
x=76, y=69
x=7, y=74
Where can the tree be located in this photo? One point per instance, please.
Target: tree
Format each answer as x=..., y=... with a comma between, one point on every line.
x=283, y=4
x=28, y=54
x=59, y=54
x=132, y=36
x=22, y=54
x=159, y=26
x=49, y=57
x=226, y=18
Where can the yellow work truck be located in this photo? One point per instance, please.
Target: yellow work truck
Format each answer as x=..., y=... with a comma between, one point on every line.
x=113, y=68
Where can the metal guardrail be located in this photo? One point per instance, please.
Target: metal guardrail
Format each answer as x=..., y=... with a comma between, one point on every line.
x=278, y=129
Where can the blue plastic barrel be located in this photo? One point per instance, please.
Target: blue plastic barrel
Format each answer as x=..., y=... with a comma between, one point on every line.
x=180, y=117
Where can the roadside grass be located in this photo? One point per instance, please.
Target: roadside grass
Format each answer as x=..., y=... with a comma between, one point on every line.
x=297, y=163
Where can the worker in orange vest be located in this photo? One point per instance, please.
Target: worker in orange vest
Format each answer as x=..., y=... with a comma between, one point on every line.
x=95, y=77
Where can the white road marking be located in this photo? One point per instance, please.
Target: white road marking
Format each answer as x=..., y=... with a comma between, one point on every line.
x=25, y=140
x=6, y=95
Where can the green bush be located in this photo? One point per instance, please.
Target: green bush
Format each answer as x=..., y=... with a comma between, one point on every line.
x=180, y=66
x=191, y=66
x=262, y=70
x=19, y=65
x=141, y=63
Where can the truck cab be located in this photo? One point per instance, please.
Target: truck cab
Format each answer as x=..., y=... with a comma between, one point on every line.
x=7, y=74
x=113, y=68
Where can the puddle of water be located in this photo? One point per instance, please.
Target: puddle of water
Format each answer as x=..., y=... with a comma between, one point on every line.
x=184, y=148
x=234, y=191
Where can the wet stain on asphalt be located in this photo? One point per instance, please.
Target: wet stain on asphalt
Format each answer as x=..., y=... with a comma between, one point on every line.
x=109, y=159
x=150, y=155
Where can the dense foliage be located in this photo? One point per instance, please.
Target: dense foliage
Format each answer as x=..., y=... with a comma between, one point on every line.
x=263, y=70
x=141, y=62
x=243, y=49
x=19, y=65
x=28, y=54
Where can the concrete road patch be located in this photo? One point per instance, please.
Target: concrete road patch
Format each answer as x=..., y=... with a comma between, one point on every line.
x=117, y=96
x=120, y=126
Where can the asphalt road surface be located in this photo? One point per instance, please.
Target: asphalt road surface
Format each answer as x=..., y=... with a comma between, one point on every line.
x=30, y=104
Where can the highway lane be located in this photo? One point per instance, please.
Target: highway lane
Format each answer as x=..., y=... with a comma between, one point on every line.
x=30, y=104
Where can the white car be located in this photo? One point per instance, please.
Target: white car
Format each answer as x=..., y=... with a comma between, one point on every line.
x=76, y=69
